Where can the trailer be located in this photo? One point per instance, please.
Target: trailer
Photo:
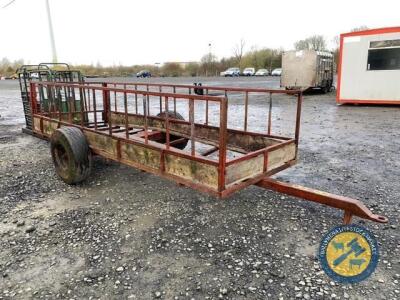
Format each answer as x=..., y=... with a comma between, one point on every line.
x=307, y=69
x=369, y=67
x=173, y=132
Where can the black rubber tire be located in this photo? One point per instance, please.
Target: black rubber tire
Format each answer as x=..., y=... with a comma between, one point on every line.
x=71, y=154
x=182, y=145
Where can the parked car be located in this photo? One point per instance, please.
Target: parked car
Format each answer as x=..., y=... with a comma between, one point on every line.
x=143, y=74
x=276, y=72
x=262, y=72
x=231, y=72
x=249, y=72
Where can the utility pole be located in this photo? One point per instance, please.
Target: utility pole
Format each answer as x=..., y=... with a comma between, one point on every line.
x=52, y=41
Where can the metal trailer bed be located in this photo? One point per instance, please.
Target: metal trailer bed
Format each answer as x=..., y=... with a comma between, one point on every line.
x=132, y=124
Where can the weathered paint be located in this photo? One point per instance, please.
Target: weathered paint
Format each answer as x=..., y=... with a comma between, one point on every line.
x=280, y=156
x=102, y=142
x=245, y=169
x=141, y=155
x=194, y=171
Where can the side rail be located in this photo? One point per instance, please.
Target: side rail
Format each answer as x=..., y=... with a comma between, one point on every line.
x=244, y=94
x=170, y=133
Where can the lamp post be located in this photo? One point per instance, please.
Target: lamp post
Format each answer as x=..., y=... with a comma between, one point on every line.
x=52, y=41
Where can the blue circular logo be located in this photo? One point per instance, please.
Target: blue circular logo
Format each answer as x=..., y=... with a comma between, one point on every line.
x=348, y=253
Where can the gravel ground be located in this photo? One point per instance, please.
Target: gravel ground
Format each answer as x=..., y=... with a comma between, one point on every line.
x=126, y=234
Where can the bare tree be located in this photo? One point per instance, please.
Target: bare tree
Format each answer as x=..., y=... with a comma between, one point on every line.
x=208, y=64
x=302, y=45
x=315, y=42
x=360, y=28
x=239, y=50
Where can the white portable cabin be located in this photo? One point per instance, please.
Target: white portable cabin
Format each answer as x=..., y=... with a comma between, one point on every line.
x=369, y=67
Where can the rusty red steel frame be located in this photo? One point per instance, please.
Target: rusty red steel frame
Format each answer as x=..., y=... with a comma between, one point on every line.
x=117, y=121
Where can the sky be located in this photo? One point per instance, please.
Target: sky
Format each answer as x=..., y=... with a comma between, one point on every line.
x=156, y=31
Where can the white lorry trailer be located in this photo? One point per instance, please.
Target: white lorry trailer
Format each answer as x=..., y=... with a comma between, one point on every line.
x=307, y=69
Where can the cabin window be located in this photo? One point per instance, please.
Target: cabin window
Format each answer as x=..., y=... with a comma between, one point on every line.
x=384, y=59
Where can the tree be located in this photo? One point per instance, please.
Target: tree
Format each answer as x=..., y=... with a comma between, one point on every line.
x=192, y=69
x=172, y=69
x=361, y=28
x=8, y=67
x=265, y=58
x=208, y=64
x=238, y=51
x=335, y=50
x=315, y=42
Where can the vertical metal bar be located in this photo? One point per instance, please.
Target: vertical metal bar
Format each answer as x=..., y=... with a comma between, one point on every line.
x=126, y=114
x=167, y=136
x=82, y=92
x=146, y=137
x=49, y=101
x=265, y=167
x=106, y=102
x=223, y=120
x=59, y=94
x=88, y=91
x=109, y=113
x=83, y=98
x=207, y=108
x=191, y=120
x=33, y=99
x=270, y=114
x=174, y=90
x=115, y=99
x=160, y=89
x=148, y=102
x=69, y=106
x=65, y=96
x=246, y=107
x=298, y=119
x=94, y=109
x=190, y=92
x=136, y=104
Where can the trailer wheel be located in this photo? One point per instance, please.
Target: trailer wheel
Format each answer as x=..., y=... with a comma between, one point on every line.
x=174, y=115
x=71, y=154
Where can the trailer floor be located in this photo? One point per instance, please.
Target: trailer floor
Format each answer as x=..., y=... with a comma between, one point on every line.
x=132, y=235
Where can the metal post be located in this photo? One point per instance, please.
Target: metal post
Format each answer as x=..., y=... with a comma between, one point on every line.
x=223, y=119
x=52, y=41
x=94, y=109
x=191, y=120
x=126, y=115
x=167, y=137
x=270, y=114
x=246, y=103
x=298, y=119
